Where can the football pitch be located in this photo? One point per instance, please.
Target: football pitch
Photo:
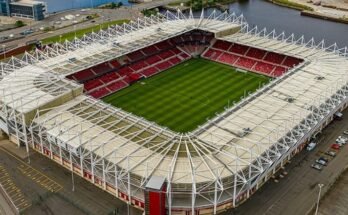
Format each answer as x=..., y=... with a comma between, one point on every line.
x=185, y=96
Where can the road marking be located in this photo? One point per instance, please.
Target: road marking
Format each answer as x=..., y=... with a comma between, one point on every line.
x=32, y=173
x=13, y=191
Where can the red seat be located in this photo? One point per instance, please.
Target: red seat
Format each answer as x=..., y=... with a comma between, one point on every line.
x=223, y=45
x=245, y=63
x=274, y=58
x=239, y=49
x=89, y=85
x=100, y=93
x=265, y=68
x=228, y=58
x=291, y=61
x=116, y=86
x=256, y=53
x=150, y=71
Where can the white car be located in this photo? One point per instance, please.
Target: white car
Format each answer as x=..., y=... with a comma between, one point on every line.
x=345, y=132
x=341, y=140
x=311, y=146
x=321, y=162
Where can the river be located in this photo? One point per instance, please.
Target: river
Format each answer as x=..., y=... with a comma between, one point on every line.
x=256, y=12
x=264, y=14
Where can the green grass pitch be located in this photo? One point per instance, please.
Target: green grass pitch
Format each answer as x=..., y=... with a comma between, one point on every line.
x=183, y=97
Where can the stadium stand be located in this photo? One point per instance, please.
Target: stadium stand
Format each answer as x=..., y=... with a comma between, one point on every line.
x=112, y=76
x=249, y=58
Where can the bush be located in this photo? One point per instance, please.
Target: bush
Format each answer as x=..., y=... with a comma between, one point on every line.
x=19, y=23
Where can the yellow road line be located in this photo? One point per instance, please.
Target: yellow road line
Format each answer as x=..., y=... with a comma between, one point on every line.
x=27, y=167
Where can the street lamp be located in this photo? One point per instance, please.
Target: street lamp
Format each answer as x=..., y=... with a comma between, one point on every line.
x=4, y=50
x=317, y=208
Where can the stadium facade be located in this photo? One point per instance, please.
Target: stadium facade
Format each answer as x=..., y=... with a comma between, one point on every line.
x=217, y=166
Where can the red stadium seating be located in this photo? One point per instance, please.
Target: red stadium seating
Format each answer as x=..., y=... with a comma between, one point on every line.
x=89, y=85
x=116, y=86
x=124, y=71
x=228, y=58
x=82, y=75
x=239, y=49
x=101, y=68
x=152, y=60
x=115, y=64
x=164, y=65
x=150, y=50
x=265, y=68
x=100, y=92
x=138, y=65
x=245, y=63
x=256, y=53
x=291, y=61
x=135, y=55
x=279, y=71
x=150, y=71
x=274, y=58
x=223, y=45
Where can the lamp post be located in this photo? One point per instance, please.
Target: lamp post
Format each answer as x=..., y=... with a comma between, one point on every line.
x=317, y=208
x=4, y=50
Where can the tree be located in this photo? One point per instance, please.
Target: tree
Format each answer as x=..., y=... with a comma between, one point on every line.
x=19, y=23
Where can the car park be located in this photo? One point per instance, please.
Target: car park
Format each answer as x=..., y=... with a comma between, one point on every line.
x=324, y=159
x=321, y=162
x=311, y=146
x=317, y=166
x=335, y=146
x=331, y=153
x=342, y=140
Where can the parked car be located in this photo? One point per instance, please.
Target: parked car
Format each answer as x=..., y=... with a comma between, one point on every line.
x=324, y=159
x=331, y=153
x=335, y=146
x=317, y=166
x=311, y=146
x=345, y=132
x=341, y=140
x=321, y=162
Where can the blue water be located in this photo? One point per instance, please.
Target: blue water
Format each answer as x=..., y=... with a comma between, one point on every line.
x=59, y=5
x=264, y=14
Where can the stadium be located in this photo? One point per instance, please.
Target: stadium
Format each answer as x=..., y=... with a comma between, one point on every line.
x=174, y=113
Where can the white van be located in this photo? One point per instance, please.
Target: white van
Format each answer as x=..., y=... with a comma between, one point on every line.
x=311, y=146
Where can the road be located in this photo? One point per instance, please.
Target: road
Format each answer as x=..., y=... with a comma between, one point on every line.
x=105, y=14
x=44, y=187
x=298, y=191
x=132, y=13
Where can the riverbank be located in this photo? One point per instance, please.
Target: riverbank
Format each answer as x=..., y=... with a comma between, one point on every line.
x=336, y=11
x=291, y=4
x=184, y=5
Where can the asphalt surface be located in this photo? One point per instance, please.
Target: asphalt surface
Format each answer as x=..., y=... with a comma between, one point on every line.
x=297, y=192
x=131, y=13
x=44, y=187
x=105, y=16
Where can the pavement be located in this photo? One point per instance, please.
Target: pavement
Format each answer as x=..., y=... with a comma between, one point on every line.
x=43, y=187
x=297, y=192
x=336, y=200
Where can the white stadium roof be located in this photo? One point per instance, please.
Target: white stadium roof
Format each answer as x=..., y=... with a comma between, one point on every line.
x=248, y=137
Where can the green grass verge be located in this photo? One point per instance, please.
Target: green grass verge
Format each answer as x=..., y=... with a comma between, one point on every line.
x=81, y=32
x=183, y=97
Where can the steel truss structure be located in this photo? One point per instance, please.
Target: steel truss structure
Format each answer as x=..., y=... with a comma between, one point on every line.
x=220, y=164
